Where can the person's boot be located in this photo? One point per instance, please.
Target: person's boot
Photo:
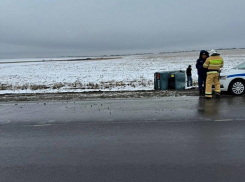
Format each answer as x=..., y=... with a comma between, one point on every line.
x=217, y=95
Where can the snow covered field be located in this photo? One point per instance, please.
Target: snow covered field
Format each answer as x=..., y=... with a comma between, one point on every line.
x=125, y=73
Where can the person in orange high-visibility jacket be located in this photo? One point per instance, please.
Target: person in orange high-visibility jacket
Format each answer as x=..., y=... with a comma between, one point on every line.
x=213, y=64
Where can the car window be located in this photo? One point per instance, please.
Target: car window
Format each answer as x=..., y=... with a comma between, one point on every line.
x=240, y=66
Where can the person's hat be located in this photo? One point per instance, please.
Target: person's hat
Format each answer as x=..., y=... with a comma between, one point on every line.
x=204, y=53
x=213, y=52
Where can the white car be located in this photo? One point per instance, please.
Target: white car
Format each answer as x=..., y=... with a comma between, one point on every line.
x=233, y=80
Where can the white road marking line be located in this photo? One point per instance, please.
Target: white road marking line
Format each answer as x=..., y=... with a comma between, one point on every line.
x=224, y=120
x=41, y=125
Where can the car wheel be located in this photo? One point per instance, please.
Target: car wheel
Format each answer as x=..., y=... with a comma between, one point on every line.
x=237, y=87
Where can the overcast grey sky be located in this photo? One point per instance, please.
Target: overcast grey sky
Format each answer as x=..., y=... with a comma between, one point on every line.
x=44, y=28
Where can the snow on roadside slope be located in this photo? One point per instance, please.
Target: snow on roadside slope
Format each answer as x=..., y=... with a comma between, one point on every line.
x=128, y=73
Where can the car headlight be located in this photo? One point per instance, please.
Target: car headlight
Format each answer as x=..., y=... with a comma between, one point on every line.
x=223, y=77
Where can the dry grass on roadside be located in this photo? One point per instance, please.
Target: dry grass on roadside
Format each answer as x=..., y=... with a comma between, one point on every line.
x=79, y=85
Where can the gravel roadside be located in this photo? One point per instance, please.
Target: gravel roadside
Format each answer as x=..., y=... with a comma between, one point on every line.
x=97, y=95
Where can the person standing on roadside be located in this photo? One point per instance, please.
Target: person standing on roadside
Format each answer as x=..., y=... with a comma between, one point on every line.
x=189, y=76
x=213, y=64
x=201, y=71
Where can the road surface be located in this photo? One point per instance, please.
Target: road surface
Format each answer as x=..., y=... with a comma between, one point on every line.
x=168, y=139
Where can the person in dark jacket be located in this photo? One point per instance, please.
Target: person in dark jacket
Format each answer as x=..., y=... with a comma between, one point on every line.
x=202, y=72
x=189, y=76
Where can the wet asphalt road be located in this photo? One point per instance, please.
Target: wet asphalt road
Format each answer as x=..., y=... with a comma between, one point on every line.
x=167, y=139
